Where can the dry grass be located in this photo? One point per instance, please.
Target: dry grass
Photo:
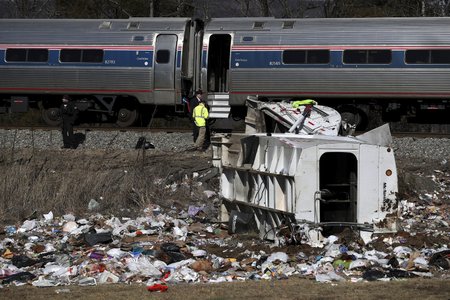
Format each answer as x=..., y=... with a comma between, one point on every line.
x=64, y=181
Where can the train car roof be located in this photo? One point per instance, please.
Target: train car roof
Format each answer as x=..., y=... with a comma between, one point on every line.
x=137, y=24
x=323, y=23
x=101, y=31
x=354, y=31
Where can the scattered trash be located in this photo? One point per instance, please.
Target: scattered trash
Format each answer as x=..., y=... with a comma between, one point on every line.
x=87, y=281
x=157, y=287
x=97, y=238
x=93, y=205
x=10, y=230
x=70, y=226
x=48, y=217
x=162, y=248
x=277, y=256
x=194, y=210
x=20, y=277
x=241, y=222
x=441, y=259
x=108, y=277
x=42, y=282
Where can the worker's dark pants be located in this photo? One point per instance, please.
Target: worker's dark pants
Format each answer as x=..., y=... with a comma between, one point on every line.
x=207, y=141
x=67, y=133
x=194, y=132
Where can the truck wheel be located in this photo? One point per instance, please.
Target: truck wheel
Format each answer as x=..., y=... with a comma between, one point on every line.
x=354, y=116
x=51, y=116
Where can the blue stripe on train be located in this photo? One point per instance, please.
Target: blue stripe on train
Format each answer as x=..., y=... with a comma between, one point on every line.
x=274, y=59
x=111, y=58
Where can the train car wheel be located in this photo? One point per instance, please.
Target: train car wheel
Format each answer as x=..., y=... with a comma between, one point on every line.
x=126, y=116
x=51, y=116
x=354, y=116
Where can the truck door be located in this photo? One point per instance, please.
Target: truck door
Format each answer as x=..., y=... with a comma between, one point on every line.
x=338, y=186
x=164, y=69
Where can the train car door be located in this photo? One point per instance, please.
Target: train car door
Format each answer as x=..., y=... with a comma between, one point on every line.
x=218, y=62
x=219, y=49
x=164, y=69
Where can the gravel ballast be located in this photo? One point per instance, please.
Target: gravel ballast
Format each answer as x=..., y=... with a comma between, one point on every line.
x=114, y=140
x=406, y=147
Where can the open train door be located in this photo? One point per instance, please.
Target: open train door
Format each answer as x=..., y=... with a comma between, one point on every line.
x=164, y=69
x=218, y=75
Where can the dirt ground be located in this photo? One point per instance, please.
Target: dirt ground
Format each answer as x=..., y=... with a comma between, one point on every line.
x=292, y=288
x=166, y=179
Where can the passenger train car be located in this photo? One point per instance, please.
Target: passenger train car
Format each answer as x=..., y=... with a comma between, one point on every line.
x=116, y=67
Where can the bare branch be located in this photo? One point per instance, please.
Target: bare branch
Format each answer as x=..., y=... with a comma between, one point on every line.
x=245, y=6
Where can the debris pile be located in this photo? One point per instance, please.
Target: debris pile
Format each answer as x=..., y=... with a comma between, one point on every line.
x=163, y=248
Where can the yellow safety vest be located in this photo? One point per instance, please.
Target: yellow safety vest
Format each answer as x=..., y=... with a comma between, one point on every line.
x=200, y=114
x=298, y=103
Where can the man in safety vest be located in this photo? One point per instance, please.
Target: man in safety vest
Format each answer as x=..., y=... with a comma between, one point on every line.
x=200, y=116
x=193, y=102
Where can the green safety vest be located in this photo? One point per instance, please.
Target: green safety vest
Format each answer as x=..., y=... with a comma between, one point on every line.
x=298, y=103
x=200, y=114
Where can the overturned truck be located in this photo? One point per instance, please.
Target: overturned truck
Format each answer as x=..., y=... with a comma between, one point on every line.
x=312, y=185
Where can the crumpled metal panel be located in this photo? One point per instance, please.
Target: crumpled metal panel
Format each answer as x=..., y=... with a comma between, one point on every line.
x=281, y=172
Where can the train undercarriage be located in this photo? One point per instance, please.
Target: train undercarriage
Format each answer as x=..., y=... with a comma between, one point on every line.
x=122, y=110
x=401, y=115
x=125, y=111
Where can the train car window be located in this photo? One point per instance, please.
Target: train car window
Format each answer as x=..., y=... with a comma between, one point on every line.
x=138, y=38
x=288, y=24
x=258, y=25
x=92, y=56
x=163, y=56
x=417, y=56
x=247, y=39
x=440, y=56
x=294, y=56
x=26, y=55
x=105, y=25
x=367, y=56
x=355, y=56
x=306, y=57
x=70, y=55
x=37, y=55
x=133, y=25
x=13, y=55
x=81, y=55
x=318, y=56
x=379, y=56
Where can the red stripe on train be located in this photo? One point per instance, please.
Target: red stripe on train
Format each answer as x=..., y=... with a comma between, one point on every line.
x=75, y=90
x=58, y=47
x=338, y=93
